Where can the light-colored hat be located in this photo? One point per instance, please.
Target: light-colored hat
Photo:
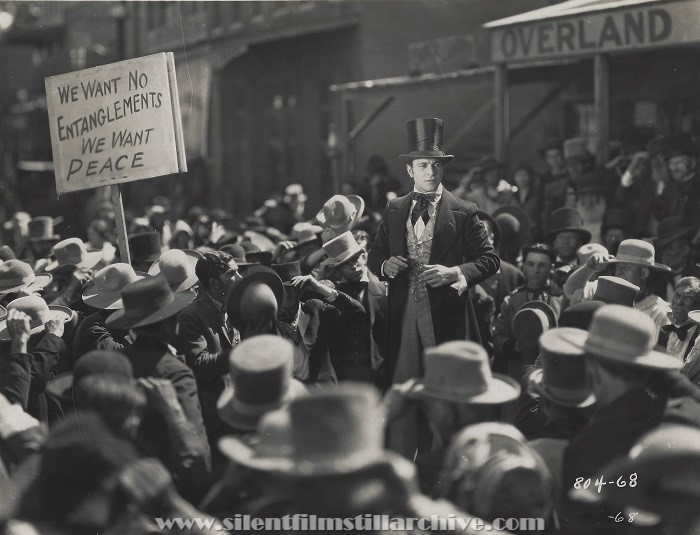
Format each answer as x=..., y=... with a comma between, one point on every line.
x=304, y=232
x=178, y=268
x=615, y=291
x=342, y=212
x=638, y=253
x=588, y=250
x=105, y=291
x=16, y=275
x=295, y=192
x=38, y=311
x=343, y=247
x=459, y=372
x=71, y=253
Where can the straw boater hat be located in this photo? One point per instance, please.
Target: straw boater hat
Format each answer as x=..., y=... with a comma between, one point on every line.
x=567, y=220
x=342, y=212
x=615, y=291
x=177, y=266
x=254, y=275
x=638, y=253
x=72, y=254
x=39, y=314
x=16, y=275
x=105, y=291
x=425, y=140
x=343, y=248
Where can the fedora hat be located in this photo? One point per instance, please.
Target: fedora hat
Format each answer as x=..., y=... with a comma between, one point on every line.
x=93, y=362
x=579, y=315
x=575, y=148
x=552, y=318
x=253, y=275
x=567, y=220
x=238, y=253
x=343, y=247
x=261, y=371
x=71, y=253
x=16, y=275
x=39, y=314
x=588, y=250
x=287, y=271
x=425, y=140
x=550, y=143
x=515, y=225
x=148, y=301
x=626, y=336
x=493, y=224
x=615, y=291
x=41, y=229
x=531, y=321
x=341, y=212
x=671, y=229
x=177, y=266
x=562, y=377
x=638, y=253
x=459, y=372
x=617, y=218
x=145, y=247
x=105, y=290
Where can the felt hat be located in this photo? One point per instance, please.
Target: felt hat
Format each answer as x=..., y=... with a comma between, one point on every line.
x=638, y=253
x=579, y=315
x=148, y=301
x=263, y=258
x=617, y=218
x=93, y=362
x=562, y=377
x=304, y=232
x=459, y=372
x=238, y=253
x=287, y=271
x=615, y=291
x=343, y=248
x=253, y=276
x=39, y=314
x=145, y=247
x=41, y=229
x=626, y=336
x=550, y=143
x=575, y=148
x=493, y=224
x=533, y=319
x=341, y=212
x=671, y=229
x=261, y=371
x=294, y=192
x=425, y=140
x=6, y=253
x=71, y=254
x=567, y=220
x=105, y=290
x=16, y=275
x=177, y=266
x=589, y=249
x=515, y=226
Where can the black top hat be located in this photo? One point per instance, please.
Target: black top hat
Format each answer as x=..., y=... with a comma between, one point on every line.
x=253, y=275
x=425, y=140
x=617, y=218
x=287, y=271
x=264, y=258
x=145, y=247
x=567, y=220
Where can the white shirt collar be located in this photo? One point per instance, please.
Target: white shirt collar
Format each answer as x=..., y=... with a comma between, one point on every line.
x=438, y=194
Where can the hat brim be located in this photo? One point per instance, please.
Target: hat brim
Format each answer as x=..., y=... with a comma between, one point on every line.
x=657, y=267
x=419, y=154
x=341, y=466
x=256, y=274
x=583, y=233
x=106, y=300
x=65, y=313
x=39, y=283
x=119, y=319
x=536, y=384
x=359, y=204
x=349, y=255
x=240, y=453
x=265, y=257
x=502, y=389
x=55, y=238
x=544, y=307
x=90, y=261
x=192, y=257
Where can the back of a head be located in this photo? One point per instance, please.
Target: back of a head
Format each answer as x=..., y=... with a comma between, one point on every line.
x=116, y=399
x=259, y=305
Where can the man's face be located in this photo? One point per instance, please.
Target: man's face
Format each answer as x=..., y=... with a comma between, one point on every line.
x=675, y=254
x=681, y=167
x=631, y=273
x=566, y=244
x=223, y=282
x=355, y=269
x=684, y=300
x=536, y=268
x=426, y=174
x=555, y=160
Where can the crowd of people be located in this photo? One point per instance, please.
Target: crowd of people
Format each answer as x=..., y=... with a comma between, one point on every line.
x=524, y=347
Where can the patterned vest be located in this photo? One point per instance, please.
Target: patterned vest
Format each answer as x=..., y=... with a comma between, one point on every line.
x=418, y=256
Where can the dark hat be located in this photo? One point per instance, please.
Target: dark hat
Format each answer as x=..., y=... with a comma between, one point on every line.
x=249, y=247
x=425, y=140
x=615, y=291
x=544, y=307
x=550, y=143
x=148, y=301
x=238, y=253
x=567, y=220
x=617, y=218
x=287, y=271
x=531, y=321
x=486, y=163
x=681, y=144
x=6, y=253
x=343, y=248
x=91, y=363
x=253, y=275
x=589, y=183
x=515, y=225
x=145, y=247
x=671, y=229
x=41, y=229
x=495, y=227
x=264, y=258
x=227, y=238
x=579, y=315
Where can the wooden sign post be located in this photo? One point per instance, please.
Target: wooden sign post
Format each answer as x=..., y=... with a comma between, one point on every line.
x=114, y=124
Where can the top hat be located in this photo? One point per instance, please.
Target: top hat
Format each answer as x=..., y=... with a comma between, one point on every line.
x=615, y=291
x=626, y=336
x=16, y=275
x=459, y=372
x=681, y=144
x=71, y=254
x=105, y=290
x=495, y=227
x=533, y=319
x=41, y=229
x=39, y=314
x=425, y=140
x=294, y=192
x=342, y=212
x=617, y=218
x=588, y=250
x=287, y=271
x=261, y=372
x=638, y=253
x=579, y=315
x=177, y=266
x=550, y=144
x=253, y=276
x=343, y=247
x=562, y=377
x=145, y=247
x=93, y=362
x=671, y=229
x=148, y=301
x=567, y=220
x=575, y=148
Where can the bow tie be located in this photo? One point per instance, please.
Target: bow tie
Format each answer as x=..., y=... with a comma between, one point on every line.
x=420, y=210
x=681, y=332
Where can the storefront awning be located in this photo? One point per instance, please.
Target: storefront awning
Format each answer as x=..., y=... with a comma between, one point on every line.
x=585, y=27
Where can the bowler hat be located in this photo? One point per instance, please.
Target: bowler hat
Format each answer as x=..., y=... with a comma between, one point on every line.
x=587, y=250
x=177, y=266
x=567, y=220
x=617, y=218
x=287, y=271
x=41, y=229
x=562, y=377
x=343, y=248
x=579, y=315
x=148, y=301
x=459, y=372
x=615, y=291
x=261, y=371
x=638, y=253
x=681, y=144
x=550, y=143
x=39, y=314
x=425, y=140
x=145, y=247
x=515, y=225
x=575, y=148
x=72, y=253
x=254, y=275
x=16, y=275
x=531, y=321
x=495, y=227
x=94, y=362
x=342, y=212
x=671, y=229
x=105, y=290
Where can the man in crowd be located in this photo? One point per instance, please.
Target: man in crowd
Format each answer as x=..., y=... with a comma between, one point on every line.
x=682, y=195
x=555, y=180
x=679, y=336
x=567, y=235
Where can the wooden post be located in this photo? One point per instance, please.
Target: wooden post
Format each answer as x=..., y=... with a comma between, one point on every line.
x=120, y=221
x=601, y=89
x=501, y=114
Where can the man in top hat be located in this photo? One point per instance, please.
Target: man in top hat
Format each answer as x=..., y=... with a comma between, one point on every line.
x=678, y=337
x=567, y=234
x=682, y=196
x=673, y=245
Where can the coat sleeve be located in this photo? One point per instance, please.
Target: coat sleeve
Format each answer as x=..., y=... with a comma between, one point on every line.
x=15, y=378
x=483, y=262
x=206, y=361
x=379, y=251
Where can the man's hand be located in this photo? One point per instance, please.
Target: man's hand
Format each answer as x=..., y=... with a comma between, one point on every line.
x=161, y=395
x=395, y=266
x=598, y=261
x=55, y=326
x=326, y=267
x=18, y=325
x=437, y=275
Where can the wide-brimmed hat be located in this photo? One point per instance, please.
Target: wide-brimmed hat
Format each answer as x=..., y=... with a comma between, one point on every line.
x=615, y=291
x=459, y=372
x=495, y=227
x=343, y=247
x=145, y=247
x=16, y=275
x=588, y=250
x=638, y=253
x=562, y=377
x=533, y=319
x=41, y=229
x=148, y=301
x=253, y=276
x=575, y=148
x=103, y=362
x=304, y=232
x=626, y=336
x=39, y=314
x=177, y=266
x=671, y=229
x=550, y=143
x=579, y=315
x=567, y=220
x=261, y=371
x=105, y=290
x=287, y=271
x=341, y=212
x=617, y=218
x=72, y=254
x=425, y=140
x=515, y=225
